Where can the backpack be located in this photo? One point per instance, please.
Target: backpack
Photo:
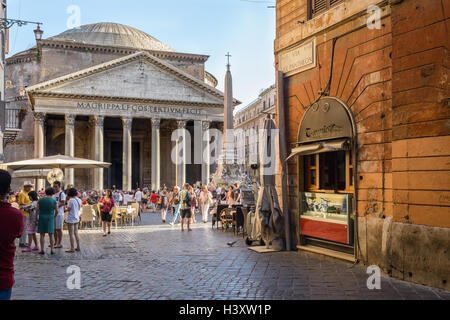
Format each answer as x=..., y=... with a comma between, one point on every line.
x=187, y=200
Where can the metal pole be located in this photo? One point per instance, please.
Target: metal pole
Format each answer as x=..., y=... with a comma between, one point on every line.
x=283, y=156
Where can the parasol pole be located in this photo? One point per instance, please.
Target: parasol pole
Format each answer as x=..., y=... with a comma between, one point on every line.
x=283, y=155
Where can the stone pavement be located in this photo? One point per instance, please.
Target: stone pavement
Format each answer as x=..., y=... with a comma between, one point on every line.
x=155, y=261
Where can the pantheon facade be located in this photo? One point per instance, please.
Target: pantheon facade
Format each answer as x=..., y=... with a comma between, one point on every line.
x=112, y=93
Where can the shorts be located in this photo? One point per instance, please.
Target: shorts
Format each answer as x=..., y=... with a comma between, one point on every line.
x=5, y=294
x=59, y=222
x=106, y=217
x=186, y=213
x=144, y=201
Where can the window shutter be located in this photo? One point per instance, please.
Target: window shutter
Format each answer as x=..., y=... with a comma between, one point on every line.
x=318, y=6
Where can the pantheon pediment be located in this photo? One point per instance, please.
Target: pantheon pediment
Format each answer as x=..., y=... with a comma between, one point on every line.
x=137, y=77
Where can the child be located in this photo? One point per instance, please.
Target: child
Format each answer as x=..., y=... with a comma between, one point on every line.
x=32, y=222
x=73, y=219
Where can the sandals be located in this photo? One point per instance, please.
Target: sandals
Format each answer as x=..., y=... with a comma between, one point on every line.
x=70, y=251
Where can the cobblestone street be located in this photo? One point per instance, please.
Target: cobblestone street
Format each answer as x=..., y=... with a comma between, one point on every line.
x=155, y=261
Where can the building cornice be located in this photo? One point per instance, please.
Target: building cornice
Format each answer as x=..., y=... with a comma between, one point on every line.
x=257, y=117
x=42, y=87
x=58, y=44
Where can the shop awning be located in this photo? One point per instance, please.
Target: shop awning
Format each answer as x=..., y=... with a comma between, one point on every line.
x=320, y=147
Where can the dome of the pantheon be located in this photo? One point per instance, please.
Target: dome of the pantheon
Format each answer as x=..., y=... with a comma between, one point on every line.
x=112, y=34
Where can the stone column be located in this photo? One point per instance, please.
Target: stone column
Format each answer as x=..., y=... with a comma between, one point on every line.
x=206, y=152
x=181, y=167
x=127, y=155
x=97, y=124
x=156, y=154
x=70, y=146
x=39, y=142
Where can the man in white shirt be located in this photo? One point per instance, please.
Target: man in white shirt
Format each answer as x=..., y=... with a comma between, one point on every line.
x=60, y=198
x=138, y=197
x=128, y=197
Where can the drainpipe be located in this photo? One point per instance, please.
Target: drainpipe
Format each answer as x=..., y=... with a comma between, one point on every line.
x=283, y=155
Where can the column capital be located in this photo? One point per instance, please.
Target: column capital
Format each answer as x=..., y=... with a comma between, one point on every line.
x=181, y=124
x=70, y=119
x=127, y=122
x=156, y=123
x=206, y=125
x=39, y=117
x=97, y=121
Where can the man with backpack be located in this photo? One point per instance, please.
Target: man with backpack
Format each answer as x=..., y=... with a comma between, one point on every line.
x=185, y=207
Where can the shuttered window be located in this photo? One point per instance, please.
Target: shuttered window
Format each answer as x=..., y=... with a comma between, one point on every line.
x=318, y=6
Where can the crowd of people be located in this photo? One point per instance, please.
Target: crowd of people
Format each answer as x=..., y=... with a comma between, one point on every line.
x=43, y=212
x=26, y=213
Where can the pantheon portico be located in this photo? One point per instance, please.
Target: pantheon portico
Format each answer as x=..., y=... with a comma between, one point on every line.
x=122, y=110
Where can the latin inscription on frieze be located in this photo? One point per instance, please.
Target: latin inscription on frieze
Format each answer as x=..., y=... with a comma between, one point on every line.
x=136, y=109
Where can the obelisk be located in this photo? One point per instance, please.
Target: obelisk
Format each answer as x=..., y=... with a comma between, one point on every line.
x=228, y=125
x=228, y=171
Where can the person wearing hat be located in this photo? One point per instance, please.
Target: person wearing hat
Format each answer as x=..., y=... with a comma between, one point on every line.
x=23, y=201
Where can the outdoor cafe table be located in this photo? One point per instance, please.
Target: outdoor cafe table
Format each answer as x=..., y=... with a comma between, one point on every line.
x=125, y=210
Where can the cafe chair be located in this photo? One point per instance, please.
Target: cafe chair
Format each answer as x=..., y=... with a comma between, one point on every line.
x=87, y=216
x=116, y=216
x=98, y=215
x=136, y=213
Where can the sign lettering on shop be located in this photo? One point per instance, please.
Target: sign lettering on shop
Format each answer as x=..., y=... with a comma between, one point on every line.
x=325, y=132
x=136, y=108
x=326, y=119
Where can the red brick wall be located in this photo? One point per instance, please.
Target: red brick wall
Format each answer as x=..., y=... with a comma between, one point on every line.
x=421, y=112
x=362, y=78
x=395, y=81
x=289, y=12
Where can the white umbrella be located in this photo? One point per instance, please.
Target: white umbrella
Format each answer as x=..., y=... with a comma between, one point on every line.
x=31, y=174
x=59, y=161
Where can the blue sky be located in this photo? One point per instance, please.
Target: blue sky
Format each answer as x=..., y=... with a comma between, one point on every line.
x=213, y=27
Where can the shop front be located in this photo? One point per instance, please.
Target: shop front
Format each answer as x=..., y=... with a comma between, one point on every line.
x=326, y=153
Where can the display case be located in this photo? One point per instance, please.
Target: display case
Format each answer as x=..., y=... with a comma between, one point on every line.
x=327, y=216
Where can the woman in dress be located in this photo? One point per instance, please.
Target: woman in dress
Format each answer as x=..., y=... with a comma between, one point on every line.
x=47, y=210
x=231, y=197
x=73, y=219
x=164, y=205
x=106, y=207
x=32, y=222
x=175, y=203
x=205, y=199
x=193, y=204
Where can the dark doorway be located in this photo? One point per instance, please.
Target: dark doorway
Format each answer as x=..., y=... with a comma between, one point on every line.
x=136, y=177
x=117, y=164
x=193, y=170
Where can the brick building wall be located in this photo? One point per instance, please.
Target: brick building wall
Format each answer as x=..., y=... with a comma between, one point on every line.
x=396, y=82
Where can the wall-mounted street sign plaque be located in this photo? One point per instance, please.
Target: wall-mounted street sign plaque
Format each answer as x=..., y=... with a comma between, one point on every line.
x=298, y=59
